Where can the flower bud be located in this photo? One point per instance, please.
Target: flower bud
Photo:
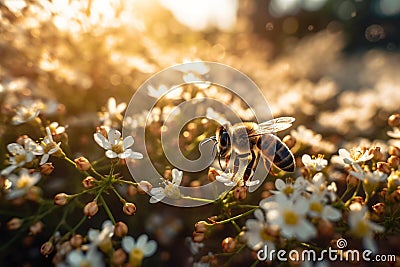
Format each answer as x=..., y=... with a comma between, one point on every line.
x=383, y=167
x=358, y=199
x=198, y=237
x=119, y=257
x=212, y=174
x=394, y=151
x=47, y=168
x=201, y=227
x=91, y=209
x=76, y=241
x=228, y=245
x=82, y=164
x=394, y=120
x=394, y=162
x=379, y=208
x=396, y=194
x=131, y=190
x=88, y=182
x=376, y=151
x=36, y=228
x=61, y=199
x=102, y=130
x=289, y=140
x=47, y=248
x=240, y=193
x=14, y=224
x=144, y=187
x=129, y=208
x=383, y=193
x=120, y=229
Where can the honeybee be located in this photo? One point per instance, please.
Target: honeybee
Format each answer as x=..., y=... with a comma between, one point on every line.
x=251, y=140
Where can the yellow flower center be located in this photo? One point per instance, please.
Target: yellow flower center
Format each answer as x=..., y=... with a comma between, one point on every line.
x=136, y=257
x=84, y=263
x=264, y=233
x=23, y=182
x=172, y=191
x=20, y=158
x=118, y=148
x=315, y=206
x=288, y=190
x=106, y=245
x=362, y=229
x=290, y=217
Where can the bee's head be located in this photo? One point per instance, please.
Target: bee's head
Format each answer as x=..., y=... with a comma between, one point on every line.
x=224, y=140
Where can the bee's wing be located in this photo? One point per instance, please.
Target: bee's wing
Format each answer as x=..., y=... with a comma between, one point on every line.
x=274, y=125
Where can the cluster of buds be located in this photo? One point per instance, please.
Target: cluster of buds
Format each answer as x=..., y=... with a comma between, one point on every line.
x=200, y=229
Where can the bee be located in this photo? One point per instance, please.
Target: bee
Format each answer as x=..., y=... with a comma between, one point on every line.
x=251, y=140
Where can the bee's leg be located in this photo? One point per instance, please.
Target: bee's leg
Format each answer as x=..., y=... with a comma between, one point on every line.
x=249, y=169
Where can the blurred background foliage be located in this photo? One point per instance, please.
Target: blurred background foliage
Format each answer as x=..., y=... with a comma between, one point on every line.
x=332, y=64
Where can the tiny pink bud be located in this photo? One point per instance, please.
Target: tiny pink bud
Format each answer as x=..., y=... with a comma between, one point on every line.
x=61, y=199
x=88, y=182
x=14, y=224
x=198, y=237
x=119, y=257
x=47, y=248
x=47, y=168
x=91, y=209
x=76, y=241
x=228, y=245
x=120, y=229
x=129, y=208
x=240, y=193
x=36, y=228
x=200, y=227
x=82, y=164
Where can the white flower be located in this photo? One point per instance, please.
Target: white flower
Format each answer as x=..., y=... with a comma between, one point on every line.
x=139, y=249
x=55, y=128
x=21, y=183
x=354, y=155
x=92, y=258
x=306, y=136
x=49, y=147
x=319, y=209
x=289, y=216
x=229, y=179
x=170, y=190
x=315, y=163
x=367, y=176
x=25, y=114
x=362, y=227
x=257, y=232
x=19, y=155
x=102, y=239
x=288, y=188
x=116, y=146
x=163, y=91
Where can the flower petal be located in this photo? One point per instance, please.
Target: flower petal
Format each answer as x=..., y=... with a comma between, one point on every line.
x=113, y=136
x=128, y=243
x=136, y=155
x=280, y=184
x=128, y=142
x=101, y=141
x=44, y=159
x=177, y=176
x=111, y=154
x=150, y=248
x=141, y=241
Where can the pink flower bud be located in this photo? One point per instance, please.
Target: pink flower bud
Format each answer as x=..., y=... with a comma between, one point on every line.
x=82, y=164
x=129, y=208
x=91, y=209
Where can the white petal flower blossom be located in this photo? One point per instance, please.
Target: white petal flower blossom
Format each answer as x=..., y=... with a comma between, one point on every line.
x=21, y=183
x=49, y=147
x=354, y=155
x=289, y=216
x=76, y=258
x=20, y=155
x=231, y=179
x=115, y=146
x=314, y=163
x=170, y=190
x=24, y=114
x=257, y=233
x=138, y=249
x=362, y=227
x=102, y=239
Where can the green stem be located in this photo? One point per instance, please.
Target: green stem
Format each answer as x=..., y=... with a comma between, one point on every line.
x=128, y=182
x=108, y=211
x=198, y=199
x=119, y=196
x=236, y=226
x=354, y=194
x=98, y=174
x=235, y=217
